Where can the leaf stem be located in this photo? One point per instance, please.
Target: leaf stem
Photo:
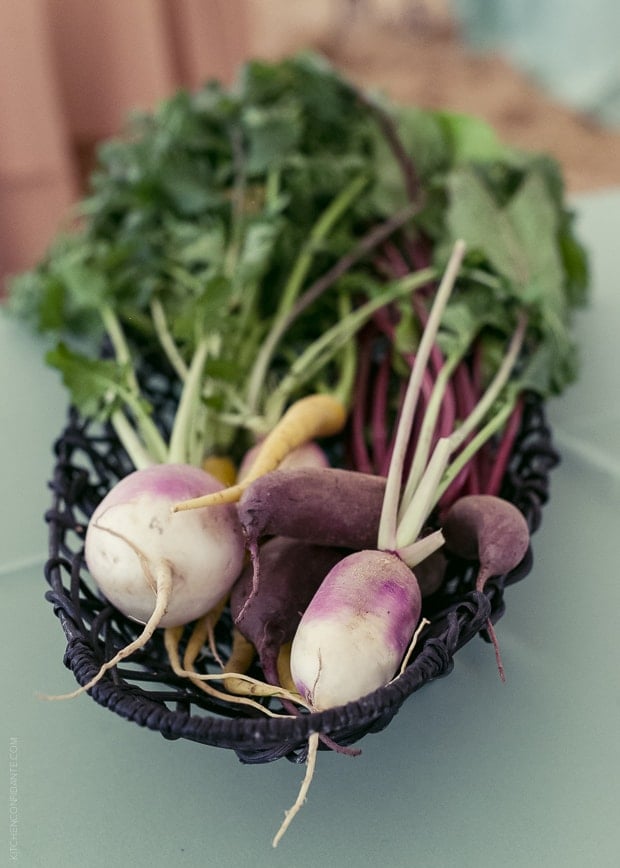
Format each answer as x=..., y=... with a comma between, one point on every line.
x=166, y=340
x=324, y=348
x=126, y=433
x=425, y=437
x=389, y=514
x=153, y=440
x=295, y=282
x=179, y=448
x=435, y=479
x=483, y=435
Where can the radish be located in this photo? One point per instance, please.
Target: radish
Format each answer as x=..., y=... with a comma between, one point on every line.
x=325, y=506
x=492, y=531
x=307, y=454
x=291, y=572
x=156, y=567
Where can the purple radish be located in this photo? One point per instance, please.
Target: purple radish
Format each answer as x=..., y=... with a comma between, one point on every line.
x=326, y=506
x=290, y=573
x=308, y=454
x=492, y=531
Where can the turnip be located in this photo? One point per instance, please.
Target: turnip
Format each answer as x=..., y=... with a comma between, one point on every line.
x=492, y=531
x=159, y=568
x=360, y=621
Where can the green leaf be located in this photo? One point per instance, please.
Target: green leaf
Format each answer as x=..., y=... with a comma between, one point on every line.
x=518, y=240
x=97, y=387
x=425, y=144
x=205, y=309
x=475, y=216
x=471, y=140
x=535, y=220
x=257, y=249
x=272, y=134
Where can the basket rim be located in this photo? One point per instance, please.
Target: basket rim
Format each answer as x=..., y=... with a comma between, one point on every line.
x=263, y=738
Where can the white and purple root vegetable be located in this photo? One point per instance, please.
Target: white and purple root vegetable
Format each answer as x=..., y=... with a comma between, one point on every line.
x=372, y=601
x=160, y=568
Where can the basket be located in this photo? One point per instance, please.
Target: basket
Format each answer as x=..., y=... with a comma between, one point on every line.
x=89, y=460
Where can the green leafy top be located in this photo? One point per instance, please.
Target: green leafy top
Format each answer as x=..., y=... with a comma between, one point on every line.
x=209, y=220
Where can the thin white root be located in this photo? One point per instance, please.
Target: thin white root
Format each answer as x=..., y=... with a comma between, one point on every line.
x=163, y=581
x=289, y=816
x=262, y=688
x=211, y=619
x=423, y=623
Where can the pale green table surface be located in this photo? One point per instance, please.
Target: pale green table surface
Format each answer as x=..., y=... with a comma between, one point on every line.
x=471, y=772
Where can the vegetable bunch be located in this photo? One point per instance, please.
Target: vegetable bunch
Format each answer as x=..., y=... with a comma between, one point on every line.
x=242, y=235
x=304, y=260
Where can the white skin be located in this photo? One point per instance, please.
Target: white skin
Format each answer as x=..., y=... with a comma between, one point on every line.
x=134, y=543
x=356, y=630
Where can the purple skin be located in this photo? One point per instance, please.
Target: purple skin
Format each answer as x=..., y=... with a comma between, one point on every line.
x=488, y=529
x=180, y=483
x=325, y=506
x=431, y=572
x=290, y=573
x=356, y=630
x=492, y=531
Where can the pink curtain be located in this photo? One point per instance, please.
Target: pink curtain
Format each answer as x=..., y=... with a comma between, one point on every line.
x=70, y=71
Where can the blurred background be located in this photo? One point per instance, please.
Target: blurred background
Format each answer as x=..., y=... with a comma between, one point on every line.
x=545, y=73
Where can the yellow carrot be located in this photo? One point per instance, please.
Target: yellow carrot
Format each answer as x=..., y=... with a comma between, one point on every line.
x=310, y=417
x=242, y=654
x=222, y=467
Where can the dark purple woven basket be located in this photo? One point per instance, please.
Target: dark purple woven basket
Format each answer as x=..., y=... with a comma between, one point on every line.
x=147, y=692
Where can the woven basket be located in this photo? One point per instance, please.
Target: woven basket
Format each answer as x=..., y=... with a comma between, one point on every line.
x=89, y=461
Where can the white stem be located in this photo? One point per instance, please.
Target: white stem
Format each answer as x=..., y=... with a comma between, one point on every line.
x=420, y=505
x=418, y=551
x=389, y=514
x=190, y=396
x=167, y=341
x=425, y=439
x=496, y=385
x=126, y=433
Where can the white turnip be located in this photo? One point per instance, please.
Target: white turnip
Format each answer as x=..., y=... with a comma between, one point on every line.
x=372, y=599
x=157, y=567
